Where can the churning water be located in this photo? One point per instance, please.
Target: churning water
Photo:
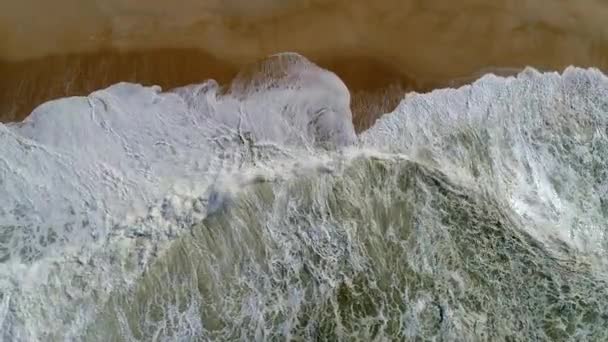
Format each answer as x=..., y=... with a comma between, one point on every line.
x=255, y=212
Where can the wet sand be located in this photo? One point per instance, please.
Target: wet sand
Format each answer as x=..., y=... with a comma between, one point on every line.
x=69, y=47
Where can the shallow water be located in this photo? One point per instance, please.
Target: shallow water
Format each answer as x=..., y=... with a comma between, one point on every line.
x=255, y=212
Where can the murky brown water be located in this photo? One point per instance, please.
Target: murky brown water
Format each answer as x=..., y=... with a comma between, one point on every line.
x=71, y=47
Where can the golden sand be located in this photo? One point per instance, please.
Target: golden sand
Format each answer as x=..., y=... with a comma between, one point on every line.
x=72, y=47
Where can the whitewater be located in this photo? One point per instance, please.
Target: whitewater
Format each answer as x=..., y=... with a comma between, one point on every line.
x=253, y=211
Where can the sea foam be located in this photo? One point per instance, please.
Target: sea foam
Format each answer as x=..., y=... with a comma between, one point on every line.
x=93, y=189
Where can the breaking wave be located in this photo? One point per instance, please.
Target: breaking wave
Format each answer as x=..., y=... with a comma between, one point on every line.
x=255, y=212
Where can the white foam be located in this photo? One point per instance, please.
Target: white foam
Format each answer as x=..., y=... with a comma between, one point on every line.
x=81, y=178
x=536, y=141
x=121, y=148
x=92, y=187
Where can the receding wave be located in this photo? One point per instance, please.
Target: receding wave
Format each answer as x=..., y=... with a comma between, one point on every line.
x=253, y=211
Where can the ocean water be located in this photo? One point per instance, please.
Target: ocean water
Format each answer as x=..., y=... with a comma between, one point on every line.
x=255, y=212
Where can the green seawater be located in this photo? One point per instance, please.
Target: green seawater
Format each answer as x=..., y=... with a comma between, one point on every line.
x=383, y=250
